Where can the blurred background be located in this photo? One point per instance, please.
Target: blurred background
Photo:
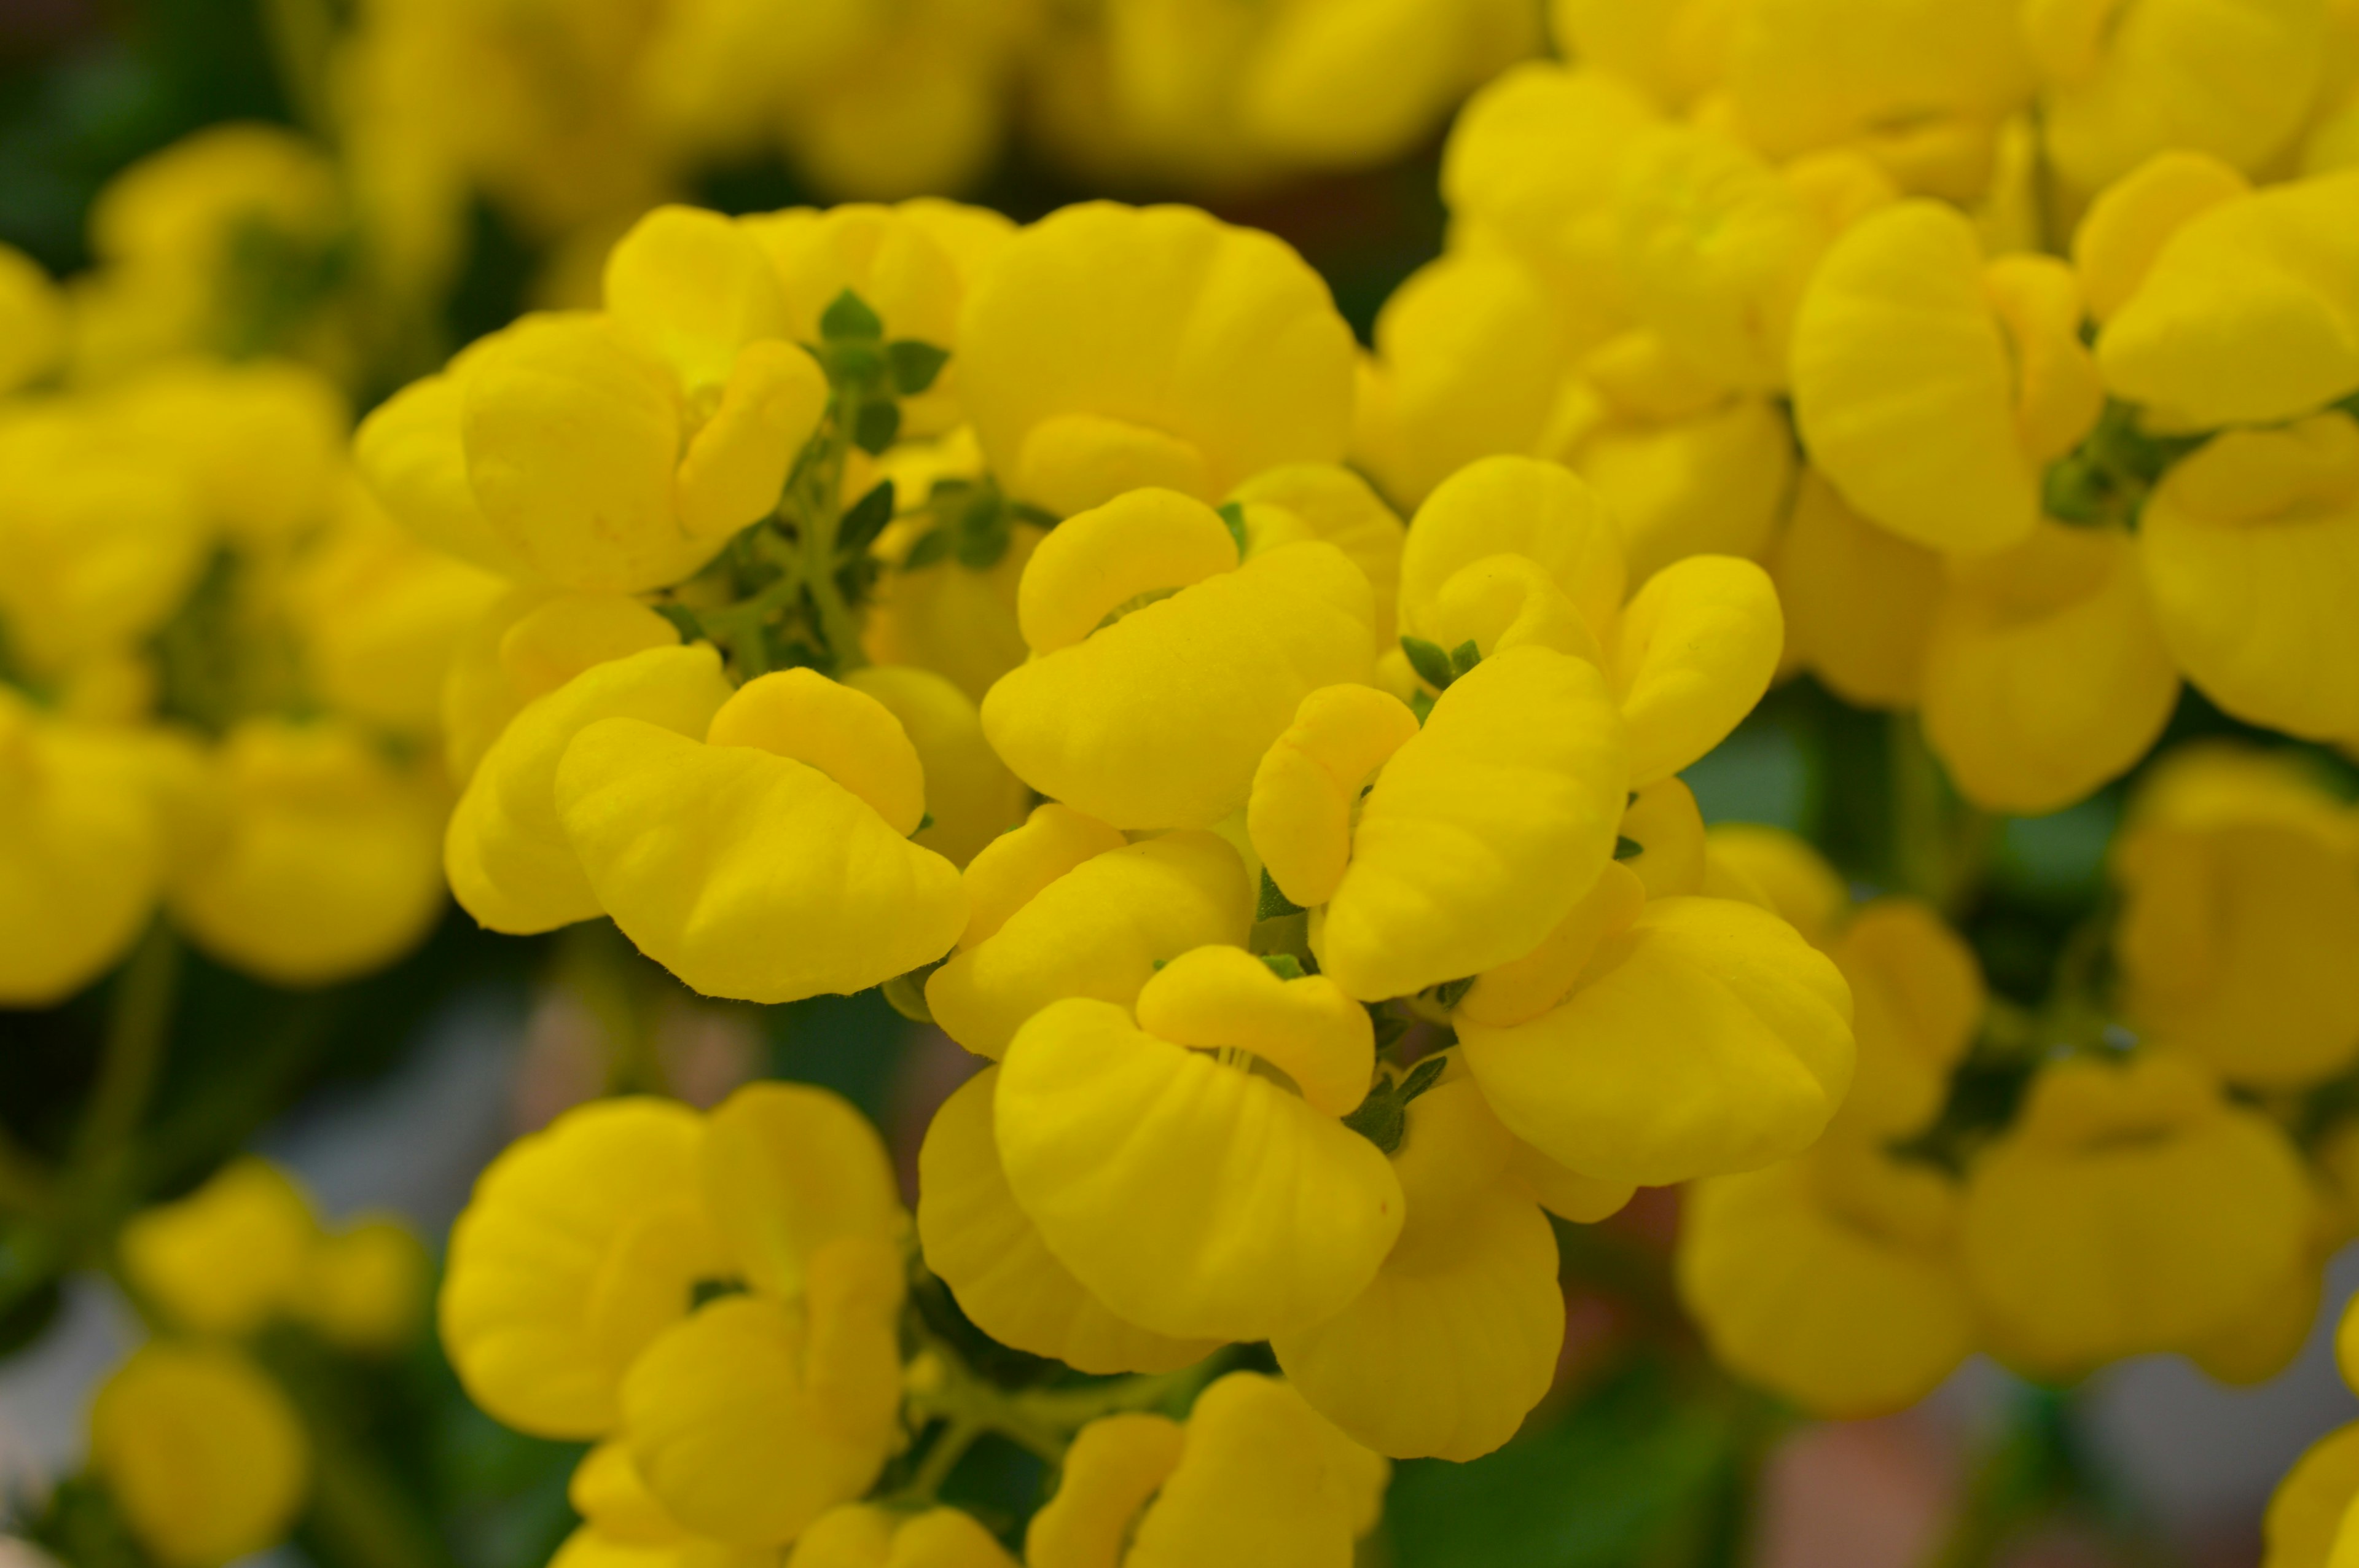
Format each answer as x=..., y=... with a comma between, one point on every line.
x=389, y=1093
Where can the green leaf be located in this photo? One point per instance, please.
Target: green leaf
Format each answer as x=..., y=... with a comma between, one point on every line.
x=984, y=533
x=1627, y=849
x=907, y=995
x=1274, y=905
x=683, y=619
x=931, y=546
x=1450, y=993
x=704, y=1291
x=1285, y=965
x=1135, y=603
x=1234, y=515
x=913, y=365
x=848, y=319
x=925, y=820
x=864, y=520
x=875, y=426
x=1423, y=1077
x=1464, y=658
x=1420, y=702
x=1382, y=1118
x=1432, y=665
x=1039, y=516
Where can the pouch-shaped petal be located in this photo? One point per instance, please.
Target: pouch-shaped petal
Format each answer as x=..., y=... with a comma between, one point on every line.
x=1458, y=1338
x=413, y=456
x=2250, y=312
x=2250, y=550
x=1225, y=999
x=1482, y=831
x=2130, y=1209
x=788, y=1169
x=2306, y=1512
x=81, y=856
x=1529, y=985
x=1112, y=1470
x=1904, y=385
x=507, y=853
x=969, y=794
x=865, y=1537
x=1778, y=871
x=696, y=288
x=1262, y=1482
x=525, y=644
x=1108, y=346
x=982, y=1244
x=1158, y=720
x=2133, y=217
x=1515, y=506
x=1706, y=1038
x=746, y=873
x=536, y=1273
x=1918, y=998
x=202, y=1455
x=1307, y=785
x=1097, y=930
x=1694, y=652
x=2044, y=673
x=1830, y=1278
x=755, y=1416
x=1712, y=482
x=1194, y=1198
x=229, y=1257
x=1857, y=599
x=1295, y=502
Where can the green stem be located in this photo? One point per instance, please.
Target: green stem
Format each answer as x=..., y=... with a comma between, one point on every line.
x=302, y=36
x=138, y=1027
x=361, y=1514
x=2027, y=1475
x=26, y=1188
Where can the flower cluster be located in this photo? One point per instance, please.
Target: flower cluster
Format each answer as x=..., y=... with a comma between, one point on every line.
x=220, y=673
x=1363, y=921
x=1731, y=234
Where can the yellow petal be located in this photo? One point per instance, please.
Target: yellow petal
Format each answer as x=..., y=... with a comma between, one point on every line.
x=1222, y=997
x=1695, y=650
x=1095, y=563
x=737, y=463
x=201, y=1452
x=1521, y=507
x=1327, y=501
x=2131, y=218
x=1262, y=1478
x=696, y=288
x=787, y=1169
x=230, y=1256
x=1917, y=998
x=2306, y=1513
x=969, y=794
x=1010, y=871
x=1524, y=988
x=1857, y=600
x=1308, y=783
x=839, y=729
x=1793, y=881
x=1113, y=1469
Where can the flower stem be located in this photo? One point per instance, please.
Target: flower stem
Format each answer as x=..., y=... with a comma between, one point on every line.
x=138, y=1029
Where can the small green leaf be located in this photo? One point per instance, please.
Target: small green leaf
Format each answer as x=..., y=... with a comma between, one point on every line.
x=982, y=534
x=1464, y=658
x=1381, y=1117
x=1136, y=602
x=1234, y=515
x=1420, y=702
x=931, y=546
x=1274, y=905
x=925, y=820
x=913, y=365
x=1039, y=516
x=1390, y=1027
x=1627, y=849
x=704, y=1291
x=1450, y=993
x=864, y=520
x=1432, y=665
x=1423, y=1077
x=875, y=426
x=905, y=994
x=848, y=319
x=683, y=619
x=1285, y=965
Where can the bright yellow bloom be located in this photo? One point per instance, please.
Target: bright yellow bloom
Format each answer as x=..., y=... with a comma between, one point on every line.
x=1916, y=1001
x=1457, y=1339
x=510, y=863
x=1302, y=501
x=1676, y=51
x=202, y=1452
x=1780, y=871
x=864, y=1537
x=1932, y=387
x=2133, y=216
x=525, y=644
x=969, y=794
x=2249, y=314
x=2304, y=1525
x=2130, y=1209
x=263, y=441
x=32, y=320
x=981, y=1243
x=616, y=450
x=1857, y=600
x=770, y=861
x=1106, y=348
x=2044, y=673
x=1062, y=907
x=82, y=853
x=1831, y=1278
x=1704, y=1037
x=1191, y=1195
x=2250, y=547
x=1157, y=719
x=312, y=857
x=581, y=1244
x=228, y=1258
x=365, y=1287
x=2240, y=883
x=2123, y=81
x=1667, y=830
x=1256, y=1478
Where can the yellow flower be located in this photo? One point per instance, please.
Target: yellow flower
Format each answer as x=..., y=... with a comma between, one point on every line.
x=1917, y=1001
x=2120, y=82
x=32, y=320
x=1932, y=387
x=1108, y=348
x=1457, y=1337
x=1192, y=1195
x=2304, y=1525
x=2130, y=1209
x=581, y=1244
x=969, y=794
x=81, y=854
x=1062, y=906
x=263, y=441
x=1857, y=600
x=510, y=863
x=2249, y=314
x=614, y=450
x=1255, y=1477
x=1157, y=720
x=202, y=1452
x=1780, y=871
x=524, y=645
x=1702, y=1038
x=2135, y=216
x=2044, y=673
x=365, y=1287
x=1831, y=1278
x=228, y=1258
x=2249, y=546
x=1665, y=840
x=864, y=1537
x=944, y=616
x=981, y=1243
x=1301, y=501
x=2240, y=884
x=769, y=861
x=757, y=1414
x=314, y=858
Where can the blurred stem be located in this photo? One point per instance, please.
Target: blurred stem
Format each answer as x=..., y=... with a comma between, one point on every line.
x=361, y=1515
x=138, y=1027
x=1940, y=845
x=2028, y=1475
x=26, y=1187
x=815, y=500
x=302, y=36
